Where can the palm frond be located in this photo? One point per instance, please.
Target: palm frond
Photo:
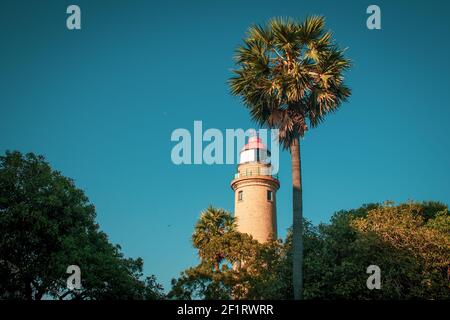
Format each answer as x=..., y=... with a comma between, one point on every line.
x=288, y=73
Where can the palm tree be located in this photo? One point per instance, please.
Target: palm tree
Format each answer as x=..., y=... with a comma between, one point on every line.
x=290, y=75
x=213, y=223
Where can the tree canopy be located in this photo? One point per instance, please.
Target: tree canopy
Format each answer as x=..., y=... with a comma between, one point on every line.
x=232, y=264
x=289, y=73
x=47, y=224
x=410, y=242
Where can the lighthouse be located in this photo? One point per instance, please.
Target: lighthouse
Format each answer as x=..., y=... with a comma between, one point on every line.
x=254, y=186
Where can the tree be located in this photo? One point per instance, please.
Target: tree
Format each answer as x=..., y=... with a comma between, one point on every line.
x=290, y=73
x=212, y=225
x=415, y=239
x=410, y=242
x=232, y=264
x=47, y=224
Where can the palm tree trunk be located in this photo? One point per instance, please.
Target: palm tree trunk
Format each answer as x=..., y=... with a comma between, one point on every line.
x=297, y=236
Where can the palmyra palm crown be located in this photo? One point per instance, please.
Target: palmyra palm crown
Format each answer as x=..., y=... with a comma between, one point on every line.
x=289, y=73
x=213, y=222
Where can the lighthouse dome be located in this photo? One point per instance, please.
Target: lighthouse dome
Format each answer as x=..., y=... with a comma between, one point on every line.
x=254, y=151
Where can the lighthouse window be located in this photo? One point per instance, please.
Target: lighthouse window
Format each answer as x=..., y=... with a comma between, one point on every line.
x=241, y=195
x=269, y=195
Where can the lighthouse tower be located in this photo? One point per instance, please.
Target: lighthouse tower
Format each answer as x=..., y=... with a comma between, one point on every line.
x=255, y=192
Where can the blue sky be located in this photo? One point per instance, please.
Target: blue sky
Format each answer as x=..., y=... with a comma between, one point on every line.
x=101, y=103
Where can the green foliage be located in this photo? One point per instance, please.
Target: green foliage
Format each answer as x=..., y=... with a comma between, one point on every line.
x=213, y=230
x=410, y=242
x=413, y=255
x=47, y=224
x=289, y=72
x=412, y=248
x=232, y=264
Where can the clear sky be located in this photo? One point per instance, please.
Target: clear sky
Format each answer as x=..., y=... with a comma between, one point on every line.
x=101, y=103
